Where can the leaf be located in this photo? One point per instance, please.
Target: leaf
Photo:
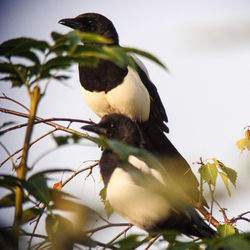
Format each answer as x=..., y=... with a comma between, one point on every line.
x=130, y=242
x=145, y=54
x=30, y=214
x=103, y=195
x=225, y=230
x=76, y=36
x=243, y=144
x=5, y=124
x=209, y=173
x=20, y=45
x=63, y=140
x=37, y=186
x=9, y=200
x=225, y=180
x=58, y=186
x=57, y=226
x=231, y=173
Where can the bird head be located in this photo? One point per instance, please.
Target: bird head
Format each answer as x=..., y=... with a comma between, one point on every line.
x=93, y=23
x=117, y=127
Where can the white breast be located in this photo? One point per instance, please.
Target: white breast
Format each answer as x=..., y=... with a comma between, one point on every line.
x=130, y=98
x=138, y=205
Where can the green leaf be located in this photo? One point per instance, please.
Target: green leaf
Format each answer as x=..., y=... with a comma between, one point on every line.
x=9, y=200
x=9, y=181
x=103, y=195
x=77, y=36
x=63, y=140
x=130, y=242
x=209, y=173
x=19, y=45
x=58, y=226
x=5, y=124
x=243, y=144
x=225, y=180
x=37, y=186
x=225, y=230
x=231, y=173
x=145, y=54
x=30, y=214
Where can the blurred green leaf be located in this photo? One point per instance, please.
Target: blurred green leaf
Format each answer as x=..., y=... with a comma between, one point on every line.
x=37, y=186
x=132, y=241
x=30, y=214
x=56, y=224
x=9, y=200
x=209, y=173
x=231, y=173
x=20, y=45
x=243, y=144
x=63, y=140
x=5, y=124
x=145, y=54
x=225, y=230
x=225, y=180
x=103, y=195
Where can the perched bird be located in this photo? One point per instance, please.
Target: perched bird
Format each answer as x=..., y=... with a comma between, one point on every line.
x=141, y=204
x=109, y=89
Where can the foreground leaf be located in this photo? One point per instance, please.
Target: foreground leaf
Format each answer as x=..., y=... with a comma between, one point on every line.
x=209, y=173
x=225, y=230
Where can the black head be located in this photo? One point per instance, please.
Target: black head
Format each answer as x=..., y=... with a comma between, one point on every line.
x=117, y=127
x=93, y=23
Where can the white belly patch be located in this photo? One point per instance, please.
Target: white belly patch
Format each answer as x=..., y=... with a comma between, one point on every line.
x=130, y=98
x=138, y=205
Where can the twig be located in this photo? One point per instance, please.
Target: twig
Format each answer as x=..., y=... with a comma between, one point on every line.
x=15, y=101
x=92, y=231
x=119, y=235
x=239, y=217
x=35, y=227
x=55, y=125
x=208, y=217
x=8, y=153
x=78, y=172
x=19, y=150
x=45, y=121
x=153, y=241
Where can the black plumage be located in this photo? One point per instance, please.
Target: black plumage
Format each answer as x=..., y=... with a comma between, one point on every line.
x=141, y=204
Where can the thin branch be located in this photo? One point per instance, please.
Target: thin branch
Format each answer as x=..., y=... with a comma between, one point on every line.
x=19, y=150
x=8, y=153
x=15, y=101
x=119, y=235
x=78, y=172
x=92, y=231
x=35, y=227
x=45, y=121
x=153, y=241
x=55, y=125
x=207, y=216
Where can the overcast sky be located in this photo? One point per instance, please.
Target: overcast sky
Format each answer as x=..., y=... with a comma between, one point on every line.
x=206, y=46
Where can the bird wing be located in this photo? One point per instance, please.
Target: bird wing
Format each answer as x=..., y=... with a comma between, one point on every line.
x=157, y=110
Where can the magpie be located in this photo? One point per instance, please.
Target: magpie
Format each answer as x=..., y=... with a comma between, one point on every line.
x=109, y=89
x=142, y=204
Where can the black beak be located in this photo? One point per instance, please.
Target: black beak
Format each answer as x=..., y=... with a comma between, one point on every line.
x=70, y=22
x=95, y=128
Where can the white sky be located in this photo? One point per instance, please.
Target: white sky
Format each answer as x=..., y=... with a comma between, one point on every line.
x=205, y=44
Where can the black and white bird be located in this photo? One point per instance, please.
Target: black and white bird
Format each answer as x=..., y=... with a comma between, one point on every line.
x=140, y=204
x=109, y=89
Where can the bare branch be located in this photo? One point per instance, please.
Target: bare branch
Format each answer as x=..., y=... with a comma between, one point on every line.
x=78, y=172
x=15, y=101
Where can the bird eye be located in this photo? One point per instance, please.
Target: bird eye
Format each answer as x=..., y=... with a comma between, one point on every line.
x=112, y=125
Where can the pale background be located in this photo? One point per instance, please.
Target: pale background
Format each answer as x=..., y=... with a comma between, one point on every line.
x=206, y=46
